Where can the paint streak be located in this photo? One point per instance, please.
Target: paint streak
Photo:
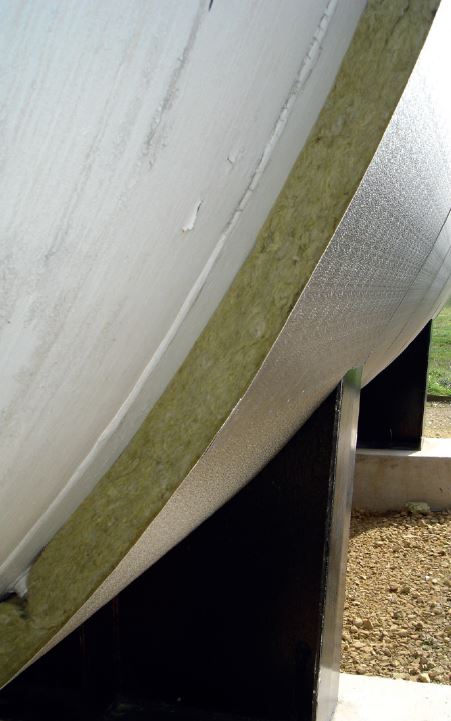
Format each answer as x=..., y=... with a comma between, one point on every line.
x=171, y=92
x=191, y=221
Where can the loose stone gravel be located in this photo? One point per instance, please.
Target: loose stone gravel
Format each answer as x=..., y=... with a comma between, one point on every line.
x=397, y=620
x=437, y=419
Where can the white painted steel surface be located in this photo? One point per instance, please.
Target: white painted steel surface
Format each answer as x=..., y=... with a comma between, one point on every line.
x=143, y=145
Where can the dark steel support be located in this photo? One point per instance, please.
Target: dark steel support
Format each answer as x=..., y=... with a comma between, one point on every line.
x=392, y=404
x=242, y=620
x=75, y=681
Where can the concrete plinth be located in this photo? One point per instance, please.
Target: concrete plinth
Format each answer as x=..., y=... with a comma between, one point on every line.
x=369, y=698
x=386, y=480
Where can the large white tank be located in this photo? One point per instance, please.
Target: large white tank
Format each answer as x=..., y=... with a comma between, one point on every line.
x=143, y=146
x=145, y=280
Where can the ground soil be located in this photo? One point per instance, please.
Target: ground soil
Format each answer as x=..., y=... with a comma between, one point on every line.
x=437, y=419
x=397, y=619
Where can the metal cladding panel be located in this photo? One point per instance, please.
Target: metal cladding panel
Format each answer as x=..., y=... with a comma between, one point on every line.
x=423, y=300
x=383, y=275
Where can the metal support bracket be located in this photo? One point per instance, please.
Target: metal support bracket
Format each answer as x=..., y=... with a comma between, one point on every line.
x=392, y=404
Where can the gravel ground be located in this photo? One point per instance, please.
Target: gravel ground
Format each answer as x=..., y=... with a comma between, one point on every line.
x=437, y=420
x=397, y=620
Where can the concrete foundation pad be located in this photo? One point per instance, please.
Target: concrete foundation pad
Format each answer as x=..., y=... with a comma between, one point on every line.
x=370, y=698
x=386, y=480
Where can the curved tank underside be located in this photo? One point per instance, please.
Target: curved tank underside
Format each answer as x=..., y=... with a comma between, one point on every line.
x=353, y=260
x=145, y=150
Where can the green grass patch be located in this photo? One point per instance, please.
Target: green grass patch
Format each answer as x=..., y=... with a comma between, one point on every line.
x=439, y=375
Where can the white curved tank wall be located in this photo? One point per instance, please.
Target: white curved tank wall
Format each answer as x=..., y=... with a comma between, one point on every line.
x=143, y=146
